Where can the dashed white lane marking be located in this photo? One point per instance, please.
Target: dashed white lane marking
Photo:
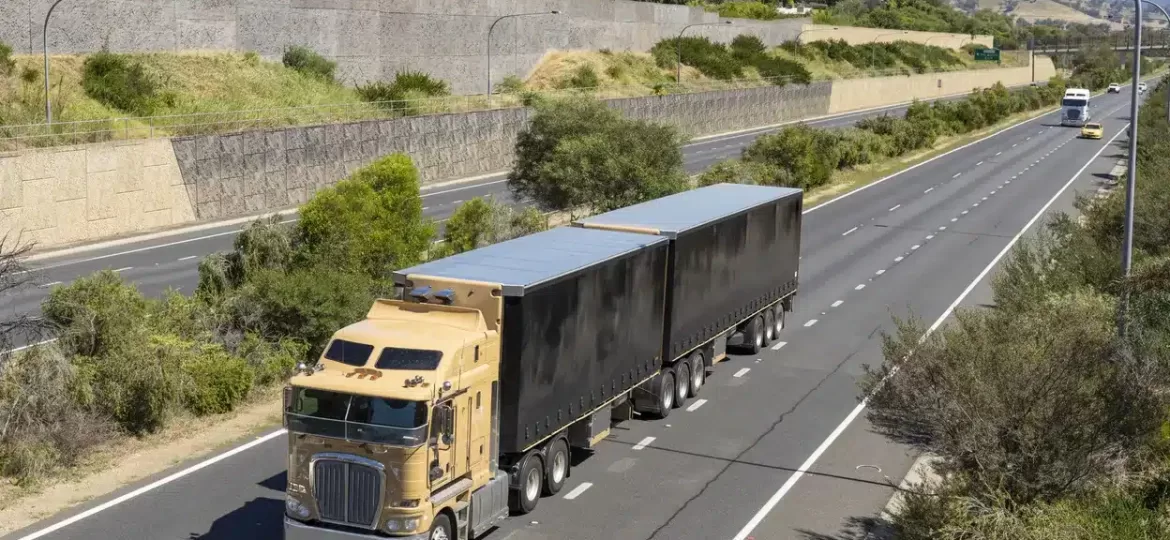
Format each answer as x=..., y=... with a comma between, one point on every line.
x=956, y=175
x=993, y=192
x=1007, y=181
x=954, y=219
x=895, y=207
x=1015, y=145
x=915, y=247
x=425, y=208
x=899, y=258
x=859, y=287
x=929, y=236
x=1028, y=139
x=189, y=257
x=965, y=212
x=976, y=205
x=124, y=269
x=645, y=442
x=846, y=233
x=744, y=371
x=47, y=285
x=837, y=303
x=880, y=272
x=810, y=323
x=779, y=345
x=577, y=491
x=978, y=164
x=983, y=199
x=457, y=201
x=998, y=153
x=1014, y=177
x=928, y=190
x=943, y=228
x=695, y=406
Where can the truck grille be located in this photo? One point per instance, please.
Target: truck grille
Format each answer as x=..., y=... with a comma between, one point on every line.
x=347, y=493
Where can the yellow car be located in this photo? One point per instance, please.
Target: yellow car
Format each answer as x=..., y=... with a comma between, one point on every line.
x=1091, y=131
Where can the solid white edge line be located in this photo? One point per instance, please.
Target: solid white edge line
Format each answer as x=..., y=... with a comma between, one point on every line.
x=577, y=491
x=812, y=459
x=695, y=406
x=31, y=345
x=194, y=468
x=644, y=443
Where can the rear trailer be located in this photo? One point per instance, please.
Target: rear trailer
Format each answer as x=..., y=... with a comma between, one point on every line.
x=581, y=319
x=733, y=268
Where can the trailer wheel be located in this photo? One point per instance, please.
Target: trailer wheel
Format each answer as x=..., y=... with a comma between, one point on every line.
x=524, y=498
x=664, y=391
x=556, y=467
x=753, y=335
x=441, y=530
x=779, y=318
x=682, y=383
x=698, y=373
x=769, y=326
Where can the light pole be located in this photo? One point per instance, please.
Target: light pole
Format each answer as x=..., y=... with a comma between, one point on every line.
x=1167, y=15
x=801, y=33
x=555, y=12
x=873, y=50
x=45, y=37
x=1131, y=167
x=678, y=48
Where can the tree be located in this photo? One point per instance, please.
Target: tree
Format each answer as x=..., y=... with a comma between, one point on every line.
x=371, y=222
x=481, y=222
x=579, y=152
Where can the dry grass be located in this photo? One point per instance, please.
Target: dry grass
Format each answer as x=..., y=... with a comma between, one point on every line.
x=1048, y=9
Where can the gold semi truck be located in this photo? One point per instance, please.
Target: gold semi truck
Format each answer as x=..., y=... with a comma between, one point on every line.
x=458, y=403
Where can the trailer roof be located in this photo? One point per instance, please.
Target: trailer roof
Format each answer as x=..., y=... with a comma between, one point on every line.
x=681, y=212
x=525, y=263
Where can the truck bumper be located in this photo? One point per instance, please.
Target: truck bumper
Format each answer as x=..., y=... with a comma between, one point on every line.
x=295, y=530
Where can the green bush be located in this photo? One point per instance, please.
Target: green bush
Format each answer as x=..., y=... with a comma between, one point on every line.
x=580, y=152
x=271, y=361
x=734, y=171
x=809, y=154
x=747, y=48
x=710, y=58
x=584, y=77
x=117, y=81
x=510, y=85
x=96, y=315
x=7, y=64
x=405, y=92
x=481, y=222
x=218, y=381
x=370, y=222
x=752, y=9
x=307, y=62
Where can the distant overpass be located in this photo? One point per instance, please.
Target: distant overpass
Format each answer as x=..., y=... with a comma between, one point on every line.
x=1078, y=46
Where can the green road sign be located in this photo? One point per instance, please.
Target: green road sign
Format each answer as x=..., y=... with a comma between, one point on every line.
x=990, y=55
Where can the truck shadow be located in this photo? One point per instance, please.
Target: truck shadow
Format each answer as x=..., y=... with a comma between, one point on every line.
x=260, y=518
x=856, y=528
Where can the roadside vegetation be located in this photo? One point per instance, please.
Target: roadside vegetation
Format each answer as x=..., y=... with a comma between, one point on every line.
x=1047, y=424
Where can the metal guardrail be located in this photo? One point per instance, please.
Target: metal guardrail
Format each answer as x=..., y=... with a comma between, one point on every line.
x=231, y=121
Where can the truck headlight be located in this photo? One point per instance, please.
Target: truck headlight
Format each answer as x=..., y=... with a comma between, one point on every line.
x=295, y=509
x=404, y=525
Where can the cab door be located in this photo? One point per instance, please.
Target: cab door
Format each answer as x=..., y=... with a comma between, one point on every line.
x=443, y=444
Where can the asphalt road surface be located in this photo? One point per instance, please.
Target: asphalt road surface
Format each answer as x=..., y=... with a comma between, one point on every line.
x=774, y=447
x=172, y=261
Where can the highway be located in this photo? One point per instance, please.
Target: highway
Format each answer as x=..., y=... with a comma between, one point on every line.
x=775, y=447
x=172, y=261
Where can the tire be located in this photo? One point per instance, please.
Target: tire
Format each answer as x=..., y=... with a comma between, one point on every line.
x=779, y=318
x=698, y=373
x=556, y=469
x=441, y=529
x=665, y=393
x=769, y=326
x=753, y=336
x=531, y=478
x=682, y=384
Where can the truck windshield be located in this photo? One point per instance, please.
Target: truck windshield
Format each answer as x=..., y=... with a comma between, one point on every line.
x=1074, y=102
x=357, y=418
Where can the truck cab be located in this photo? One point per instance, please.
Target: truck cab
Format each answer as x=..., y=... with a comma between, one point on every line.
x=389, y=431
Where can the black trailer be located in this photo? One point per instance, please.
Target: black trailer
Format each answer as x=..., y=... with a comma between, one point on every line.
x=579, y=305
x=734, y=262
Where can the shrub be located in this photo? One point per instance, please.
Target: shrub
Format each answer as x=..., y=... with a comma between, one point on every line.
x=808, y=154
x=747, y=48
x=117, y=81
x=309, y=63
x=218, y=380
x=753, y=9
x=734, y=171
x=583, y=77
x=7, y=64
x=252, y=58
x=579, y=152
x=1037, y=405
x=96, y=315
x=266, y=244
x=370, y=222
x=510, y=85
x=481, y=222
x=710, y=58
x=405, y=92
x=271, y=361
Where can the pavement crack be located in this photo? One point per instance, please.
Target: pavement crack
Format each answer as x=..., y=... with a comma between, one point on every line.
x=738, y=457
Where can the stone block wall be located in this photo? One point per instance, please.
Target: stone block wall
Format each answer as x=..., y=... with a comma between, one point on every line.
x=57, y=196
x=372, y=39
x=709, y=113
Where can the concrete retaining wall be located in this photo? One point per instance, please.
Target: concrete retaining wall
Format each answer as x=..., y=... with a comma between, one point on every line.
x=71, y=194
x=372, y=39
x=855, y=35
x=856, y=94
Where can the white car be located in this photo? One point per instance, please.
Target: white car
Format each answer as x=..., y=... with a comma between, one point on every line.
x=1114, y=88
x=1141, y=88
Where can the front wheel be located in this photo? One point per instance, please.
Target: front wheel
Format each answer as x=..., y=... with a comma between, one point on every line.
x=441, y=530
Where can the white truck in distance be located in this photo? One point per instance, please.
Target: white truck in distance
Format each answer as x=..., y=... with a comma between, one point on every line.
x=1075, y=107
